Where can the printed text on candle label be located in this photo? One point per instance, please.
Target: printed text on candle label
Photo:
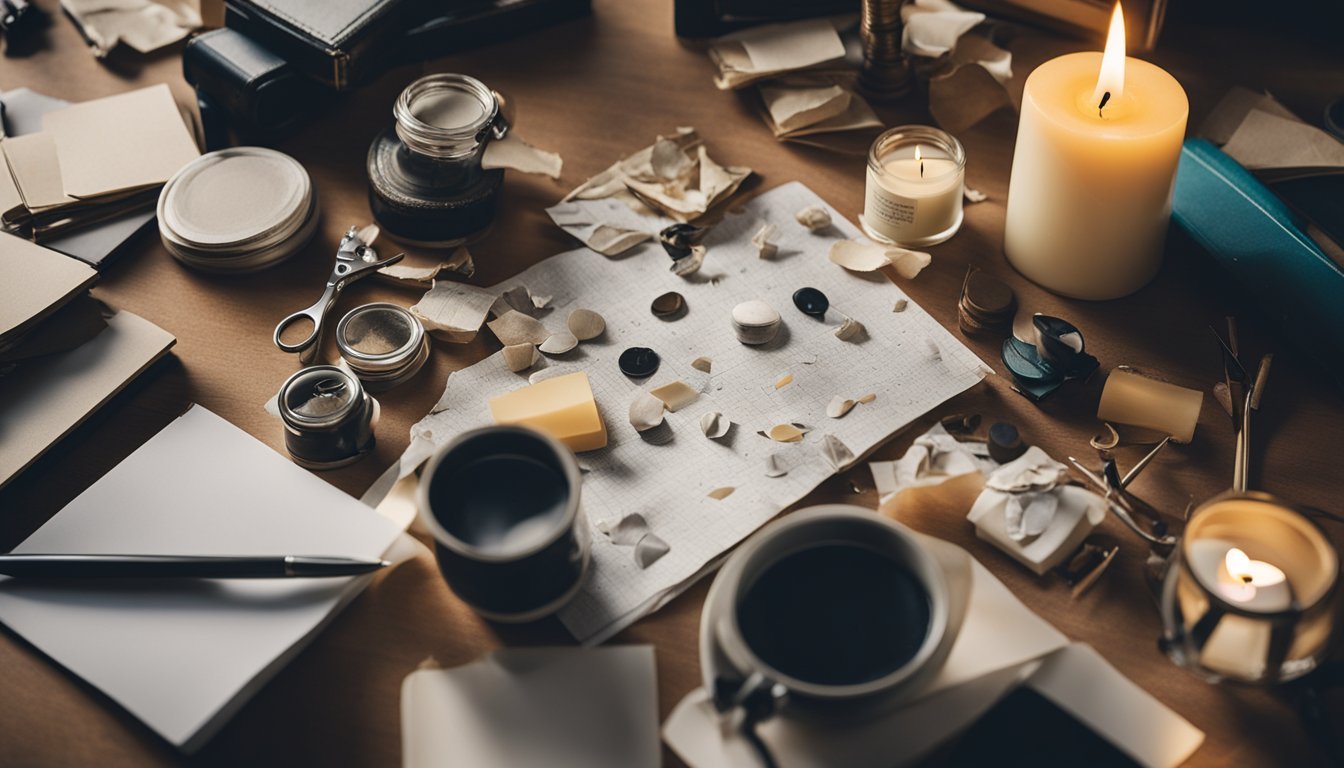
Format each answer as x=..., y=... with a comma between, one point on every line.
x=890, y=209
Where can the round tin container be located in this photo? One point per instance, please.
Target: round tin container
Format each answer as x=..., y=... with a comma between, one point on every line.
x=384, y=344
x=328, y=417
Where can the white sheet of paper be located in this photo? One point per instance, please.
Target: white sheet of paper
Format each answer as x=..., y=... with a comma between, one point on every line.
x=669, y=483
x=1081, y=682
x=794, y=45
x=997, y=642
x=535, y=708
x=183, y=656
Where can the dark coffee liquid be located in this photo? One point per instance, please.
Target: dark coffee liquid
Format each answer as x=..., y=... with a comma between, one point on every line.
x=501, y=504
x=835, y=614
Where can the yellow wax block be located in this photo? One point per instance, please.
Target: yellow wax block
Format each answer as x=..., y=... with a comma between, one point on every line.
x=1139, y=401
x=562, y=407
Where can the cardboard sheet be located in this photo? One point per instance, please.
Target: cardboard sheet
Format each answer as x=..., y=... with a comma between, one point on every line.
x=34, y=282
x=122, y=142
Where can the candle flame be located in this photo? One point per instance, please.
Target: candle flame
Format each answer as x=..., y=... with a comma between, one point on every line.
x=1254, y=573
x=1111, y=79
x=919, y=161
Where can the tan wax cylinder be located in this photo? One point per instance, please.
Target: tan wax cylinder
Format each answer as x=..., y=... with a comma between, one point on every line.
x=1139, y=401
x=1089, y=199
x=907, y=207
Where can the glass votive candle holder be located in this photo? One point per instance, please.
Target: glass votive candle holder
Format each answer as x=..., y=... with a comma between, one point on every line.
x=916, y=178
x=1250, y=595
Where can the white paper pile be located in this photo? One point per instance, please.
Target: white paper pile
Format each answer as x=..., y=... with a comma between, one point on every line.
x=967, y=72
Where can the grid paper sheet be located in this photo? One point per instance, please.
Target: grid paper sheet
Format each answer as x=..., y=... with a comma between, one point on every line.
x=906, y=358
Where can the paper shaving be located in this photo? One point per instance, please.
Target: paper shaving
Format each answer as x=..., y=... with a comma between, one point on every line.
x=141, y=25
x=764, y=243
x=834, y=452
x=514, y=327
x=860, y=256
x=702, y=364
x=974, y=195
x=775, y=466
x=513, y=153
x=675, y=395
x=585, y=324
x=760, y=52
x=850, y=330
x=518, y=298
x=784, y=381
x=559, y=343
x=633, y=531
x=715, y=425
x=839, y=406
x=785, y=433
x=646, y=411
x=691, y=264
x=460, y=262
x=814, y=217
x=722, y=493
x=900, y=305
x=681, y=181
x=866, y=399
x=520, y=357
x=453, y=311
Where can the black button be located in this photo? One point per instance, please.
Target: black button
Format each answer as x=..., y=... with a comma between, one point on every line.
x=638, y=362
x=811, y=301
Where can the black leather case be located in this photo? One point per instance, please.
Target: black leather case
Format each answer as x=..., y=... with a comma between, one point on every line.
x=258, y=91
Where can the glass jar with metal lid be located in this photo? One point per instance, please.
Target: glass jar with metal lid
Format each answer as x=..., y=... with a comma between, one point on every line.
x=384, y=344
x=328, y=417
x=426, y=184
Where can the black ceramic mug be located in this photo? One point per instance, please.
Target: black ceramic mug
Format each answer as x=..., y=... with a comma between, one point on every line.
x=502, y=503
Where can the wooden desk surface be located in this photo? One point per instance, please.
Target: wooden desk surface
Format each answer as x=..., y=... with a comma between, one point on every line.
x=594, y=90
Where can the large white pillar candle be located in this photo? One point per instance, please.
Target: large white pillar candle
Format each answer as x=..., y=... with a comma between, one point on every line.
x=1090, y=194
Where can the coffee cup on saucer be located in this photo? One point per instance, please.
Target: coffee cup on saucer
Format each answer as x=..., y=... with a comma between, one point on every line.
x=832, y=611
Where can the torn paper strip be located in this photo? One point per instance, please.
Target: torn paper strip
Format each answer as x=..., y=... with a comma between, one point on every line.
x=459, y=262
x=760, y=52
x=513, y=153
x=453, y=311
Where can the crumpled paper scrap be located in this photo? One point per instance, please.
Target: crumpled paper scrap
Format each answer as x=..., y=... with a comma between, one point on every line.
x=800, y=106
x=1028, y=480
x=633, y=530
x=143, y=25
x=453, y=311
x=513, y=153
x=609, y=225
x=932, y=458
x=674, y=175
x=760, y=52
x=459, y=261
x=967, y=72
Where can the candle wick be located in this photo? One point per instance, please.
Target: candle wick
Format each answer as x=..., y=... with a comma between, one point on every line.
x=921, y=169
x=1105, y=97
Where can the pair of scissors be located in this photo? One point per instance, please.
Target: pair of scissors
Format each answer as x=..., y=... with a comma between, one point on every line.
x=355, y=259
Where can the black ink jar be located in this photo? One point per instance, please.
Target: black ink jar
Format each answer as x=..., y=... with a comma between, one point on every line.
x=426, y=184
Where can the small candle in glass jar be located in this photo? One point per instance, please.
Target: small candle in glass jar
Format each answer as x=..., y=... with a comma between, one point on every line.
x=916, y=176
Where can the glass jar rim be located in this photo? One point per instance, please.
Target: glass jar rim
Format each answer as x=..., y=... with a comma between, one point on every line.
x=903, y=135
x=434, y=140
x=311, y=374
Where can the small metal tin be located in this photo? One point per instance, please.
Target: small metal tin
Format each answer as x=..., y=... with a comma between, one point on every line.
x=328, y=417
x=384, y=344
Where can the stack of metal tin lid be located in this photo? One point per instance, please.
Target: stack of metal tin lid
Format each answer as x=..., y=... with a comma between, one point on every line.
x=237, y=210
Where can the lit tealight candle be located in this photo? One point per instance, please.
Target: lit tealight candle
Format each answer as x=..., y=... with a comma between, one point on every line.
x=1090, y=194
x=915, y=180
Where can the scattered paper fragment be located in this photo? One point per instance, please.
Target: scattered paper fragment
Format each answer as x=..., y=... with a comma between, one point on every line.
x=585, y=324
x=691, y=264
x=517, y=298
x=453, y=311
x=702, y=364
x=860, y=256
x=850, y=330
x=613, y=241
x=633, y=530
x=722, y=493
x=814, y=217
x=763, y=240
x=513, y=327
x=515, y=154
x=900, y=305
x=835, y=452
x=559, y=343
x=868, y=398
x=715, y=425
x=794, y=106
x=646, y=411
x=759, y=52
x=974, y=195
x=839, y=406
x=460, y=262
x=785, y=433
x=775, y=466
x=675, y=395
x=784, y=381
x=520, y=357
x=143, y=25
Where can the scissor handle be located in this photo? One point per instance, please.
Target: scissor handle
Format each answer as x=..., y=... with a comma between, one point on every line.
x=315, y=313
